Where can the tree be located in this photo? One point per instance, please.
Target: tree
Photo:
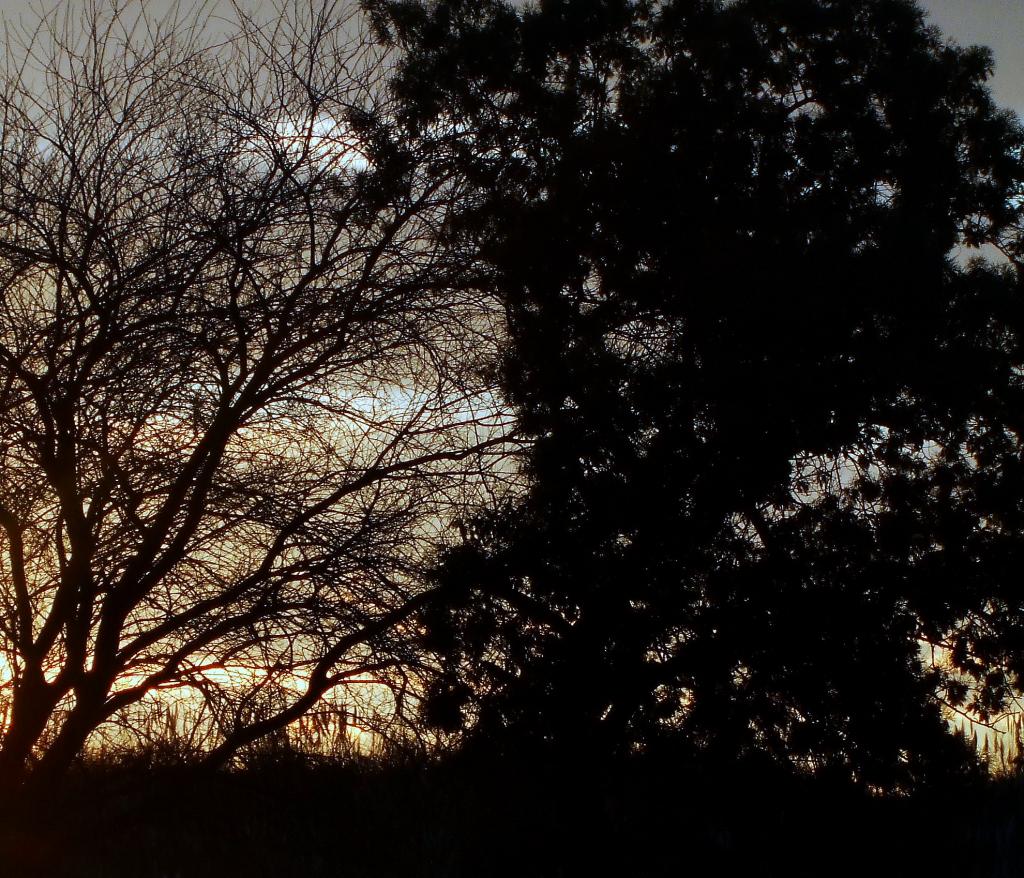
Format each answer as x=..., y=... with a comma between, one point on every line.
x=776, y=420
x=240, y=391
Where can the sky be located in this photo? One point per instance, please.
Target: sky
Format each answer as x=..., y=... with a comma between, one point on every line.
x=998, y=24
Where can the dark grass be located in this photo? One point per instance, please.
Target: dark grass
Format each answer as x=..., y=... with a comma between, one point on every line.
x=470, y=818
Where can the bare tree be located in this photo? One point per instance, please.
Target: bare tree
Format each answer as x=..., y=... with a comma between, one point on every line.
x=238, y=391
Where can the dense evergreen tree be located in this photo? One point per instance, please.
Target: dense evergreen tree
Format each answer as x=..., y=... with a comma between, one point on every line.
x=775, y=414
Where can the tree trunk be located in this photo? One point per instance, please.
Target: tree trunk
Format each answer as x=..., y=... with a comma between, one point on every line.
x=59, y=756
x=33, y=705
x=70, y=740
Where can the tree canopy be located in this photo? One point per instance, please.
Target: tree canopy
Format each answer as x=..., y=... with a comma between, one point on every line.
x=238, y=388
x=774, y=498
x=703, y=318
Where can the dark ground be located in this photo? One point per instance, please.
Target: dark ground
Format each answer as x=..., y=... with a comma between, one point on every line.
x=633, y=819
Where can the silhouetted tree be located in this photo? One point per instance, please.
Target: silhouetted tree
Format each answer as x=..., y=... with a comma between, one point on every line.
x=776, y=416
x=238, y=392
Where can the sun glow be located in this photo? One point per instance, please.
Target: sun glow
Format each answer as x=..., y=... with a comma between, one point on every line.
x=321, y=139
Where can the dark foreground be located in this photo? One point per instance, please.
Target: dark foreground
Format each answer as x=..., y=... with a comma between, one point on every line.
x=459, y=819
